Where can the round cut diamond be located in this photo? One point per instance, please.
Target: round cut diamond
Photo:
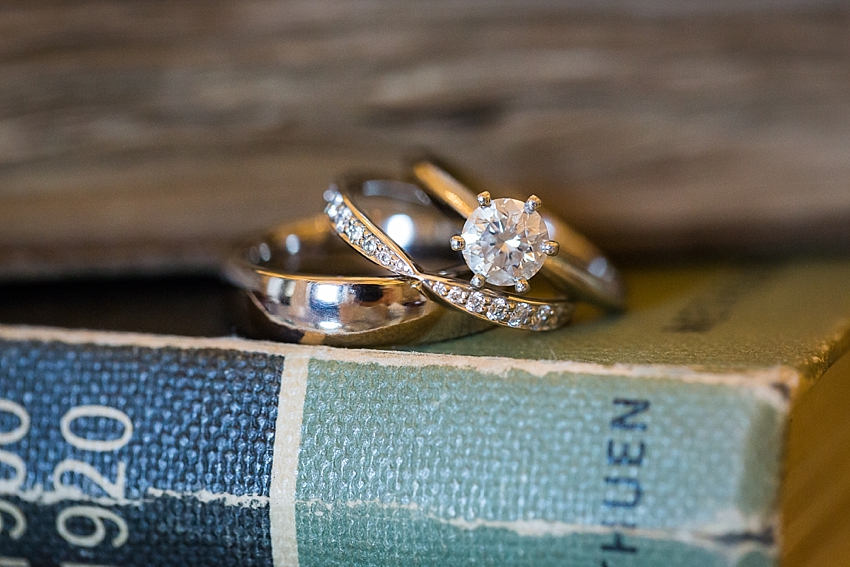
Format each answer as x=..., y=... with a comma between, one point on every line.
x=384, y=256
x=401, y=266
x=370, y=244
x=354, y=231
x=439, y=288
x=342, y=217
x=332, y=210
x=519, y=316
x=503, y=242
x=541, y=316
x=457, y=295
x=476, y=302
x=498, y=309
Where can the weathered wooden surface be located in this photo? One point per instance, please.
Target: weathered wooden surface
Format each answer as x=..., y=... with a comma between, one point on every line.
x=146, y=135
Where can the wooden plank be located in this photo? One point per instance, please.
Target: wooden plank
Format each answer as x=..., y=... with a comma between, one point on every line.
x=653, y=127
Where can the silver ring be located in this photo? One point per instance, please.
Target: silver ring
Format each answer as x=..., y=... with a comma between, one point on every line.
x=292, y=290
x=579, y=266
x=356, y=228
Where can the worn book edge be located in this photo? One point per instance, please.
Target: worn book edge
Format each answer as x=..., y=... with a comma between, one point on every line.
x=773, y=385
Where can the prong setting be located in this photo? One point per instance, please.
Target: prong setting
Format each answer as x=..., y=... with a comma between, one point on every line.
x=521, y=285
x=550, y=247
x=458, y=243
x=504, y=241
x=532, y=203
x=477, y=281
x=484, y=199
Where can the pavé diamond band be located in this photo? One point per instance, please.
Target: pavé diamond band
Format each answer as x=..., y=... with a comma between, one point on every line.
x=506, y=241
x=495, y=306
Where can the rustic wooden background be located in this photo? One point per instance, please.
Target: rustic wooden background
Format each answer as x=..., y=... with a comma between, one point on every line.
x=144, y=135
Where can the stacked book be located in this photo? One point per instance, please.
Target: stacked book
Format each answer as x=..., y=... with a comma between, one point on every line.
x=653, y=438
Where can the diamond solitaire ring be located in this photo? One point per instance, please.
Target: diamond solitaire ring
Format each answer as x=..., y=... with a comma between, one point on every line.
x=506, y=242
x=495, y=306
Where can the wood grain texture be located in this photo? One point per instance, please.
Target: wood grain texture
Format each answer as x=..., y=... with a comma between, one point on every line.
x=145, y=134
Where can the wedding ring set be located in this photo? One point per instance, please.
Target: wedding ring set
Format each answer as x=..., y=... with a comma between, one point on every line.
x=436, y=261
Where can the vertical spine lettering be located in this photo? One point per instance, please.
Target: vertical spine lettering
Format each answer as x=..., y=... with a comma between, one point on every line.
x=624, y=493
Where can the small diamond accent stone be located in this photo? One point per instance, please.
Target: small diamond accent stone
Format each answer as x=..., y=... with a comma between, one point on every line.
x=384, y=256
x=354, y=231
x=503, y=241
x=544, y=313
x=332, y=210
x=342, y=217
x=401, y=266
x=396, y=264
x=457, y=295
x=541, y=316
x=476, y=302
x=370, y=244
x=439, y=288
x=497, y=310
x=519, y=316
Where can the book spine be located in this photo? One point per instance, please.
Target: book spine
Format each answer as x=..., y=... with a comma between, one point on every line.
x=129, y=455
